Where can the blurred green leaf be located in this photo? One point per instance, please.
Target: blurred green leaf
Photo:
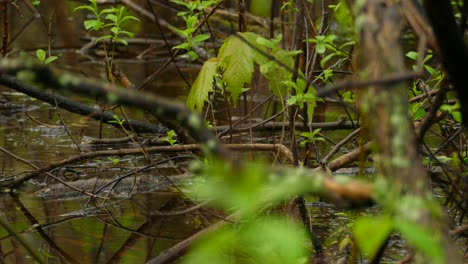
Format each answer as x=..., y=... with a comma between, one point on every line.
x=371, y=232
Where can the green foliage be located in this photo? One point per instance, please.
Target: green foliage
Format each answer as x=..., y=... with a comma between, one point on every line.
x=277, y=75
x=414, y=56
x=327, y=42
x=170, y=137
x=371, y=233
x=42, y=57
x=114, y=161
x=203, y=85
x=191, y=21
x=247, y=191
x=310, y=137
x=117, y=120
x=265, y=240
x=114, y=19
x=35, y=2
x=453, y=110
x=417, y=110
x=254, y=238
x=302, y=97
x=236, y=63
x=349, y=97
x=236, y=60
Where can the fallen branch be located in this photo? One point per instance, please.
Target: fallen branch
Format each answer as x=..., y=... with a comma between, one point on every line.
x=79, y=108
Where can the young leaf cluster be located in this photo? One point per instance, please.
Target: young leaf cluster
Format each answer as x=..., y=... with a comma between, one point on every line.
x=194, y=9
x=114, y=19
x=42, y=57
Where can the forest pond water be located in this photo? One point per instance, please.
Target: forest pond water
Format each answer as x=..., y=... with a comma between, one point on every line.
x=129, y=225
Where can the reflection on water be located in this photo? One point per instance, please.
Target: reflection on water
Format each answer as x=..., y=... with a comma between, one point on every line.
x=78, y=228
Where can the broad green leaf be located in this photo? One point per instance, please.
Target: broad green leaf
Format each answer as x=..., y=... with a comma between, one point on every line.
x=41, y=55
x=236, y=58
x=421, y=239
x=371, y=233
x=203, y=85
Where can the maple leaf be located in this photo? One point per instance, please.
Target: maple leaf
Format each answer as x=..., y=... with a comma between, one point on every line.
x=236, y=59
x=203, y=85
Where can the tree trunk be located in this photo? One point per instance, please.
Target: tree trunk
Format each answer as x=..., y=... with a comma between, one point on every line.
x=386, y=111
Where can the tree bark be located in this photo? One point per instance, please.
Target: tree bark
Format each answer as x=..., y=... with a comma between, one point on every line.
x=386, y=111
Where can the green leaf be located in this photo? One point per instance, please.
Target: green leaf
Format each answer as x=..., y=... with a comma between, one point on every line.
x=93, y=24
x=412, y=55
x=421, y=239
x=83, y=7
x=349, y=97
x=184, y=46
x=320, y=48
x=129, y=18
x=128, y=33
x=267, y=43
x=236, y=58
x=200, y=38
x=41, y=55
x=326, y=58
x=115, y=30
x=50, y=59
x=103, y=38
x=123, y=41
x=429, y=69
x=193, y=55
x=112, y=18
x=203, y=85
x=371, y=233
x=457, y=116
